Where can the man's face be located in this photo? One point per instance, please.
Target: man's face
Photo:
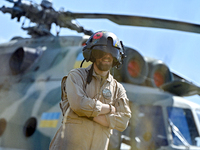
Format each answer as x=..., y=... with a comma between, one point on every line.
x=104, y=63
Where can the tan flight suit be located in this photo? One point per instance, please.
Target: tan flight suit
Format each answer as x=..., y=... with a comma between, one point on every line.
x=84, y=101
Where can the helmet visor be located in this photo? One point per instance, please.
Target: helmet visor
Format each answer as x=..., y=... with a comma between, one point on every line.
x=97, y=54
x=99, y=51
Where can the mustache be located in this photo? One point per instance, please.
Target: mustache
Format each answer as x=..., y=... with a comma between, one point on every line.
x=108, y=58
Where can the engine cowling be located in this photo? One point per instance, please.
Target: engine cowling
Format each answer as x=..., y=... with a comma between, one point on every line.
x=140, y=70
x=134, y=69
x=158, y=74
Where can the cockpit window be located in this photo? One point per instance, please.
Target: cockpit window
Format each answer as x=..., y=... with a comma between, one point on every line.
x=198, y=114
x=183, y=126
x=150, y=128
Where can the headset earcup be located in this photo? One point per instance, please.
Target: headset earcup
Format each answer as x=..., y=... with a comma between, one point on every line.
x=87, y=53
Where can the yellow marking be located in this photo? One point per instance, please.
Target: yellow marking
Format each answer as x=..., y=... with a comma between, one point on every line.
x=116, y=43
x=85, y=64
x=48, y=123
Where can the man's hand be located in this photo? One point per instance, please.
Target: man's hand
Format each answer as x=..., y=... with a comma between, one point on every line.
x=101, y=119
x=113, y=109
x=106, y=109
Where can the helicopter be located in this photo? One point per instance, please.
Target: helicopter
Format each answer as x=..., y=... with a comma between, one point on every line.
x=32, y=70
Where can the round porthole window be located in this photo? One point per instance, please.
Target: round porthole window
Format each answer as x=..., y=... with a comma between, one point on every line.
x=30, y=127
x=3, y=124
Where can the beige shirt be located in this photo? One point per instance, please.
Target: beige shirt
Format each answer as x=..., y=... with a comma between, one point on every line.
x=85, y=101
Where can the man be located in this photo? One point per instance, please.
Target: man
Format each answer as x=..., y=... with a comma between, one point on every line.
x=93, y=102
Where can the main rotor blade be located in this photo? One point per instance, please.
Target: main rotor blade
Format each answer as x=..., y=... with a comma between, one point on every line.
x=140, y=21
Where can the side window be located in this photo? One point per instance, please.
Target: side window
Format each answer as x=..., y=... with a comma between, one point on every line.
x=198, y=114
x=183, y=122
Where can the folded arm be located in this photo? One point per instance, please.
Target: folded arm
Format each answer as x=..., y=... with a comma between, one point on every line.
x=79, y=102
x=101, y=119
x=119, y=119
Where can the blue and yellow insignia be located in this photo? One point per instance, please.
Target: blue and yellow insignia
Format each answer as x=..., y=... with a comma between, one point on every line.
x=49, y=119
x=116, y=43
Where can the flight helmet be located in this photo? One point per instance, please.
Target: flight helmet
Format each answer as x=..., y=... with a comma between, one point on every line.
x=103, y=42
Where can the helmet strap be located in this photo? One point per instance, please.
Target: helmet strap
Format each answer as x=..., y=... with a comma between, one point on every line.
x=82, y=62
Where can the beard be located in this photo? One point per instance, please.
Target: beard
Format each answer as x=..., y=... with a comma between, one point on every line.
x=103, y=67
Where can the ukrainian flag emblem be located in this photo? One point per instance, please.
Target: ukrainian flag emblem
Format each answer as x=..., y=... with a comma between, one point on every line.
x=49, y=119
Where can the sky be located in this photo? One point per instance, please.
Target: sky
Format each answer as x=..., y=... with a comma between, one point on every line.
x=179, y=50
